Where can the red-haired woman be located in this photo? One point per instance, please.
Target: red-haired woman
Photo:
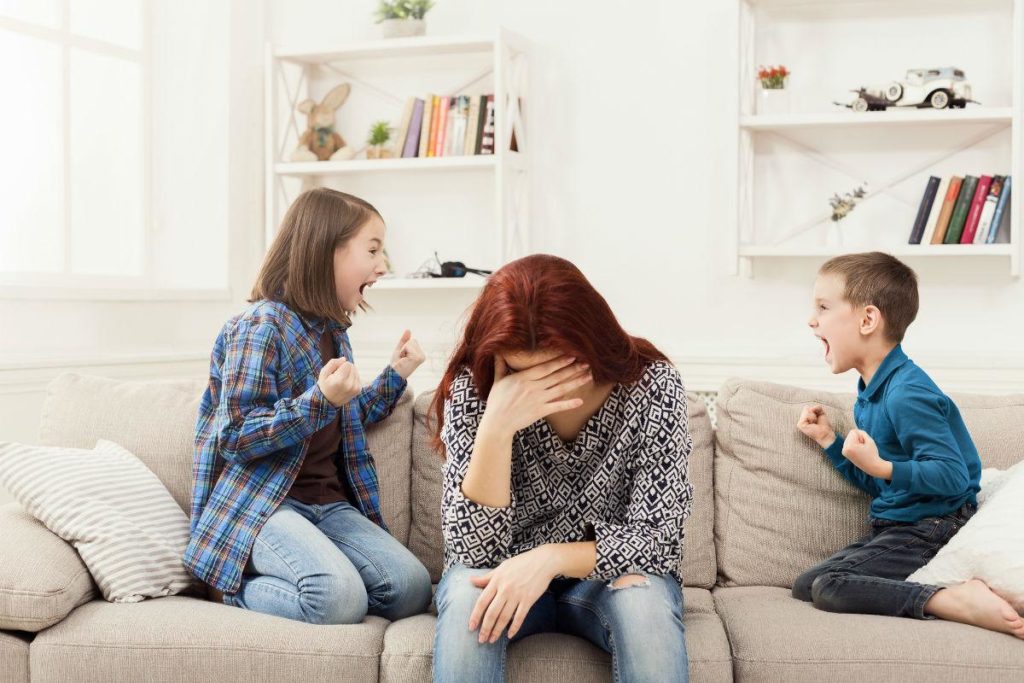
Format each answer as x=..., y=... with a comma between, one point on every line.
x=565, y=487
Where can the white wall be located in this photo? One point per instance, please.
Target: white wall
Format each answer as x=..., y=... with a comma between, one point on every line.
x=633, y=171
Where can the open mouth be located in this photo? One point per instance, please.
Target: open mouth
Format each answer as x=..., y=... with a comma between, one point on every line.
x=827, y=347
x=366, y=285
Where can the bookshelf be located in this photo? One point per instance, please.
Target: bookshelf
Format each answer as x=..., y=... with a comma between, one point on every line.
x=471, y=208
x=790, y=164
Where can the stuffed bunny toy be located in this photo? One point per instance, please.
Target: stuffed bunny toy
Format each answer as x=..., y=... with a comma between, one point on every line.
x=320, y=141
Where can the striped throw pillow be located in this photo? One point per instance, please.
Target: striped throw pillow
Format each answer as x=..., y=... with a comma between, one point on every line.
x=115, y=512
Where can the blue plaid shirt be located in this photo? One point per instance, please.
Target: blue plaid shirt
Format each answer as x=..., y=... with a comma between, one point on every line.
x=257, y=414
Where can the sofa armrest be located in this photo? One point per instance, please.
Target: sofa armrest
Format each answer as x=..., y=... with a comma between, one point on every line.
x=42, y=578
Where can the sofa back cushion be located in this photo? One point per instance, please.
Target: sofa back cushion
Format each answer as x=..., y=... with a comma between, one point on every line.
x=426, y=542
x=156, y=421
x=780, y=507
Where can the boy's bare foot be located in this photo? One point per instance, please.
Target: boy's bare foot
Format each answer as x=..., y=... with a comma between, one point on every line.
x=973, y=602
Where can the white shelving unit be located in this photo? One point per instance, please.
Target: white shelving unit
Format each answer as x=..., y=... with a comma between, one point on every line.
x=467, y=208
x=789, y=165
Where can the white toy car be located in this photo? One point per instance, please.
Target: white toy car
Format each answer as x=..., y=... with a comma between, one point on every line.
x=936, y=88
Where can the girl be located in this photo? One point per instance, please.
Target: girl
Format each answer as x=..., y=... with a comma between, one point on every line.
x=565, y=486
x=286, y=513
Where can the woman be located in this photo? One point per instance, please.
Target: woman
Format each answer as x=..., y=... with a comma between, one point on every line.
x=565, y=487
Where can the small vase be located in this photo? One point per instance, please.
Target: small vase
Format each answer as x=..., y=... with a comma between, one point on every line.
x=773, y=101
x=402, y=28
x=373, y=152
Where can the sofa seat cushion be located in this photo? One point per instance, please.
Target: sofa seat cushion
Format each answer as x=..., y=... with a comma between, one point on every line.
x=698, y=563
x=42, y=578
x=780, y=506
x=409, y=644
x=775, y=637
x=13, y=658
x=179, y=638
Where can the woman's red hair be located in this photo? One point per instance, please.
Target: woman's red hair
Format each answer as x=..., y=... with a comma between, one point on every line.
x=542, y=302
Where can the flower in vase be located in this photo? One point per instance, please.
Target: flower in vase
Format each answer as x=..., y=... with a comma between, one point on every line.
x=842, y=206
x=773, y=77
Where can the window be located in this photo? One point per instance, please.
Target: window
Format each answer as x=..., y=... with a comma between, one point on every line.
x=74, y=128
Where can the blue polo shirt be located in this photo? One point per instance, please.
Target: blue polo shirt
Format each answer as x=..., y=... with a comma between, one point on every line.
x=935, y=466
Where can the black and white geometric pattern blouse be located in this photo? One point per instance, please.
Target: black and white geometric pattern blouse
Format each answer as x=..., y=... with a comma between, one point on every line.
x=621, y=483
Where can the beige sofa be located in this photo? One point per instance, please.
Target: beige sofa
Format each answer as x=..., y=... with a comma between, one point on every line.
x=766, y=507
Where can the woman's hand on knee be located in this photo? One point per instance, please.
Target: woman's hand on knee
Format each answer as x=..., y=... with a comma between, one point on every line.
x=509, y=591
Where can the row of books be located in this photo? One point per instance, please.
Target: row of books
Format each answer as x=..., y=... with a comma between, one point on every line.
x=962, y=210
x=446, y=125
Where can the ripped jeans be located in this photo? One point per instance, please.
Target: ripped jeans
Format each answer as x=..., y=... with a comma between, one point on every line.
x=641, y=626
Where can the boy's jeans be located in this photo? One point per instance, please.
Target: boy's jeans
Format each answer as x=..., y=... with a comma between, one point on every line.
x=868, y=577
x=328, y=564
x=641, y=626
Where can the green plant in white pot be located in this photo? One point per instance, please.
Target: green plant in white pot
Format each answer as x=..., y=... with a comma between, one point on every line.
x=403, y=18
x=380, y=134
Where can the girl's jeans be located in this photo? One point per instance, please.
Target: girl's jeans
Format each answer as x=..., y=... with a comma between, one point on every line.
x=328, y=564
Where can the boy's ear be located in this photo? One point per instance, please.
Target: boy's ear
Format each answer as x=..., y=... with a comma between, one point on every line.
x=871, y=320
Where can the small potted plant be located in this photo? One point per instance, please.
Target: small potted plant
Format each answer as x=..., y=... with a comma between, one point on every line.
x=403, y=18
x=380, y=134
x=774, y=98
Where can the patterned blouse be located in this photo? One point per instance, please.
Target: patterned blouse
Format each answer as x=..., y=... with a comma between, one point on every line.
x=622, y=482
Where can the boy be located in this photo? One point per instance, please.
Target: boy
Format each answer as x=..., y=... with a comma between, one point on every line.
x=912, y=454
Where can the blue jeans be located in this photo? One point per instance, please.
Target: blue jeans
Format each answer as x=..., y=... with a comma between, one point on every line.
x=868, y=577
x=641, y=626
x=328, y=564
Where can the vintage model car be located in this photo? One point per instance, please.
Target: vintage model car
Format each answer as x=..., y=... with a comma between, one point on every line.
x=936, y=88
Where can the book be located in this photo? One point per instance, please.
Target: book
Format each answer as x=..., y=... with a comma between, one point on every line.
x=435, y=115
x=428, y=115
x=481, y=122
x=472, y=126
x=412, y=138
x=517, y=131
x=442, y=124
x=403, y=127
x=1002, y=212
x=974, y=213
x=963, y=205
x=924, y=210
x=942, y=224
x=987, y=211
x=933, y=215
x=487, y=139
x=460, y=118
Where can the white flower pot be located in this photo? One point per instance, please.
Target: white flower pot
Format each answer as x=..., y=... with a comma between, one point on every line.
x=773, y=101
x=402, y=28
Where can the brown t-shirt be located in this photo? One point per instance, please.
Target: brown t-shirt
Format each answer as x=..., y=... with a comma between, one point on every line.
x=317, y=482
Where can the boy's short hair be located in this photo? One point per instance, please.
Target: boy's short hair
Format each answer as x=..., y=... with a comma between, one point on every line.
x=881, y=280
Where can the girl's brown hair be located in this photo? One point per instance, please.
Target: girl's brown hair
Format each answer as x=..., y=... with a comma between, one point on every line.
x=298, y=269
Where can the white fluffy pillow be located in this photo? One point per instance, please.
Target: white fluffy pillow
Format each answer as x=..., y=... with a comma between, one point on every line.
x=111, y=508
x=990, y=546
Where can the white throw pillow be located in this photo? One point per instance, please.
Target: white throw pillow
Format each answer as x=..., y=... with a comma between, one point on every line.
x=115, y=512
x=990, y=546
